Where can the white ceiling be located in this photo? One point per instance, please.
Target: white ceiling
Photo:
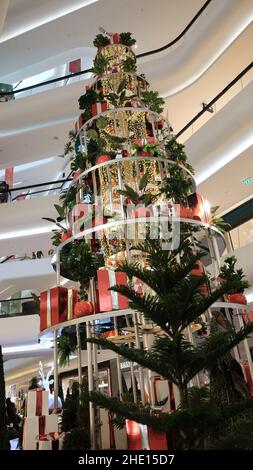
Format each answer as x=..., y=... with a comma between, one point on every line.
x=78, y=29
x=19, y=330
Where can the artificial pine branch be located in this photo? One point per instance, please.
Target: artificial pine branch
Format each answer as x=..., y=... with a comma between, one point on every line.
x=189, y=428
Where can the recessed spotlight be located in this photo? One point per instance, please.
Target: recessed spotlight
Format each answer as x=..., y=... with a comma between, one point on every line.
x=136, y=46
x=55, y=137
x=247, y=181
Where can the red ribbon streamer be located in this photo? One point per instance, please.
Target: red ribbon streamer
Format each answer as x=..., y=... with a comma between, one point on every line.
x=39, y=402
x=42, y=423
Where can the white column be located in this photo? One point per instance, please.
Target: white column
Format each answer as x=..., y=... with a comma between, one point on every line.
x=55, y=371
x=138, y=343
x=79, y=353
x=90, y=387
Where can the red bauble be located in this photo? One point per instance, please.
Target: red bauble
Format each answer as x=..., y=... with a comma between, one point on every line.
x=102, y=159
x=65, y=236
x=83, y=308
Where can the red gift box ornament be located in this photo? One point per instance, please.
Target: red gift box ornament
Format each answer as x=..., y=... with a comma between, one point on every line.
x=157, y=439
x=200, y=208
x=200, y=271
x=133, y=435
x=56, y=306
x=79, y=124
x=110, y=300
x=98, y=108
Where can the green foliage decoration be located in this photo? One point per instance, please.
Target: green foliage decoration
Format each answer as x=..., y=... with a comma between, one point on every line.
x=228, y=273
x=101, y=40
x=178, y=185
x=153, y=101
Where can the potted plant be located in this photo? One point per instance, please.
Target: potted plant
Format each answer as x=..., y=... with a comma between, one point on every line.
x=228, y=273
x=126, y=39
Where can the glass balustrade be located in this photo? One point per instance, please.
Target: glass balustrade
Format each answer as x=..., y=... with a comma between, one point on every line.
x=20, y=303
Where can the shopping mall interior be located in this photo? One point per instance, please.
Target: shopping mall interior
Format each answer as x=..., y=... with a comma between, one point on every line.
x=162, y=117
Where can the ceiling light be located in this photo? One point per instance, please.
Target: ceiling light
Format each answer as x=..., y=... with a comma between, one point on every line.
x=227, y=157
x=24, y=348
x=26, y=232
x=39, y=125
x=28, y=166
x=76, y=5
x=247, y=181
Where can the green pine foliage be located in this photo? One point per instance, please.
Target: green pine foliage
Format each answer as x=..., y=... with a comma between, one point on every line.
x=75, y=418
x=174, y=302
x=70, y=407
